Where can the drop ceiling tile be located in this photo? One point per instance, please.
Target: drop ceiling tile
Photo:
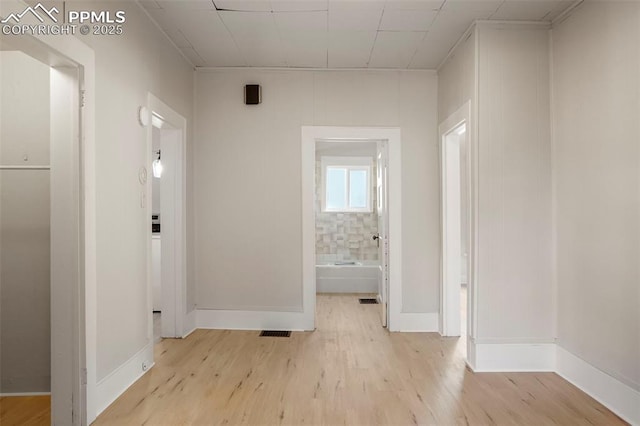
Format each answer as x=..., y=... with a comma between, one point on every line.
x=434, y=48
x=195, y=26
x=560, y=8
x=449, y=23
x=186, y=4
x=355, y=15
x=299, y=5
x=301, y=21
x=413, y=4
x=407, y=20
x=350, y=49
x=479, y=9
x=305, y=49
x=257, y=37
x=221, y=54
x=202, y=30
x=304, y=37
x=395, y=49
x=445, y=32
x=243, y=5
x=525, y=10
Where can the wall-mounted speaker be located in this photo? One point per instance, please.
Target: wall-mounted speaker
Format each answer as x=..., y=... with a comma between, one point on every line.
x=252, y=94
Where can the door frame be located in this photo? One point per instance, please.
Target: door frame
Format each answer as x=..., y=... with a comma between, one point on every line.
x=175, y=323
x=311, y=134
x=447, y=303
x=382, y=196
x=74, y=290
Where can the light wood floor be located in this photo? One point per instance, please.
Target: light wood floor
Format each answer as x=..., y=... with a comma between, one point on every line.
x=25, y=411
x=350, y=371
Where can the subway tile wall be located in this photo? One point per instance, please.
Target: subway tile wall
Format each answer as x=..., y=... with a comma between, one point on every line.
x=344, y=236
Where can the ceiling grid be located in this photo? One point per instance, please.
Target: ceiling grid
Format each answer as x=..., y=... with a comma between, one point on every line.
x=381, y=34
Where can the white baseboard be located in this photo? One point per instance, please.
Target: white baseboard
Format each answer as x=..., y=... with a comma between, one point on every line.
x=609, y=391
x=119, y=380
x=189, y=324
x=620, y=398
x=252, y=320
x=415, y=322
x=25, y=394
x=513, y=357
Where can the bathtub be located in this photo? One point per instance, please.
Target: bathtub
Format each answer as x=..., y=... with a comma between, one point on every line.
x=348, y=277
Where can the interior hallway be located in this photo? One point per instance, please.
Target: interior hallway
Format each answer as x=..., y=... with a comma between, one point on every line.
x=349, y=371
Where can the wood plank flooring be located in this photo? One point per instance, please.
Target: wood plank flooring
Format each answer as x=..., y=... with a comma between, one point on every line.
x=25, y=410
x=350, y=371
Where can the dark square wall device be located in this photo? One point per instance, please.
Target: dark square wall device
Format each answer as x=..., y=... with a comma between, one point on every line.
x=252, y=94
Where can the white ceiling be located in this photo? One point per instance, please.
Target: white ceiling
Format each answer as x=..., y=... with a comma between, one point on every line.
x=414, y=34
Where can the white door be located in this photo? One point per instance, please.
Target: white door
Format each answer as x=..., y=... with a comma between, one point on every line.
x=382, y=206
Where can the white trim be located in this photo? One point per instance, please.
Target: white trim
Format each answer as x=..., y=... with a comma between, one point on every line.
x=24, y=394
x=609, y=391
x=294, y=69
x=252, y=320
x=417, y=322
x=310, y=134
x=450, y=304
x=119, y=380
x=511, y=24
x=512, y=357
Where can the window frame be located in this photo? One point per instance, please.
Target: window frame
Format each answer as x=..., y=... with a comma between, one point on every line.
x=350, y=164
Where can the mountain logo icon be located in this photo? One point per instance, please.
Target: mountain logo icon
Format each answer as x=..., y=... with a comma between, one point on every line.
x=38, y=11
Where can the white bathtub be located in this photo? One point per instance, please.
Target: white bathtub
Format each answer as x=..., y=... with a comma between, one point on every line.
x=361, y=277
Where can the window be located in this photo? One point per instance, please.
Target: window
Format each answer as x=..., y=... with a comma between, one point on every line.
x=346, y=184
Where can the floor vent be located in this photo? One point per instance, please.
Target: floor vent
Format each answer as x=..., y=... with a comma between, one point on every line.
x=368, y=301
x=275, y=333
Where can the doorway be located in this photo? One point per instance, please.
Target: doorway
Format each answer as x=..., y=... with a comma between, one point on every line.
x=351, y=239
x=63, y=157
x=167, y=225
x=456, y=238
x=388, y=290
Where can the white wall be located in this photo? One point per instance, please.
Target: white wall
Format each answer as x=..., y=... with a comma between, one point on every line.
x=457, y=78
x=248, y=178
x=503, y=71
x=596, y=79
x=127, y=68
x=25, y=329
x=515, y=292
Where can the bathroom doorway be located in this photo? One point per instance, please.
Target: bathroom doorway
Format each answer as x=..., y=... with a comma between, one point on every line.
x=350, y=244
x=167, y=225
x=345, y=248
